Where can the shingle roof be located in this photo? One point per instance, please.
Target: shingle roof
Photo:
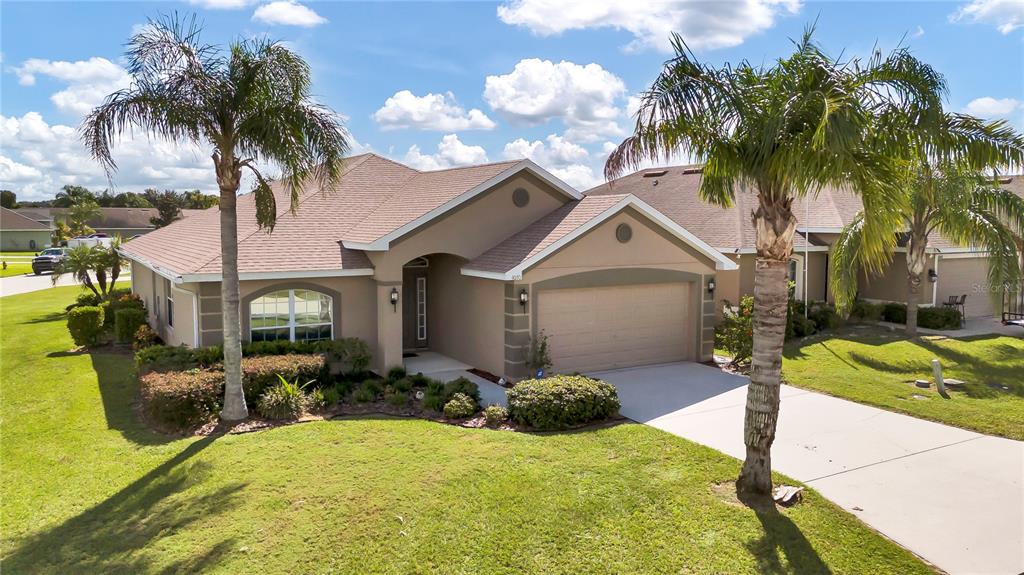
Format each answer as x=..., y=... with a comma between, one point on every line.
x=676, y=194
x=375, y=197
x=11, y=220
x=536, y=237
x=109, y=218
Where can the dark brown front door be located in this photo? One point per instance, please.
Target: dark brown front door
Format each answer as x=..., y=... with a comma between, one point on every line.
x=414, y=308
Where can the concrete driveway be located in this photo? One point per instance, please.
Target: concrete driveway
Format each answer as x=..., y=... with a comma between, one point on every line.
x=29, y=283
x=954, y=497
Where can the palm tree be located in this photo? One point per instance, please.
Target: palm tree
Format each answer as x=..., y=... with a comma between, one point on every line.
x=78, y=262
x=248, y=105
x=954, y=199
x=783, y=131
x=107, y=263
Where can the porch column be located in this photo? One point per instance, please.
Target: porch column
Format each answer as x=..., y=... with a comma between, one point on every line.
x=389, y=327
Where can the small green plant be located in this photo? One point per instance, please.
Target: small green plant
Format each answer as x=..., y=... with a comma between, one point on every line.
x=127, y=322
x=286, y=400
x=85, y=324
x=865, y=310
x=419, y=380
x=396, y=373
x=397, y=399
x=463, y=386
x=460, y=406
x=432, y=402
x=363, y=394
x=144, y=337
x=538, y=356
x=374, y=386
x=735, y=333
x=331, y=395
x=495, y=415
x=403, y=385
x=316, y=400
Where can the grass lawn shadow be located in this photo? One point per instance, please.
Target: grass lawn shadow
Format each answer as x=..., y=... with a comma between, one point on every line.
x=124, y=533
x=118, y=386
x=781, y=536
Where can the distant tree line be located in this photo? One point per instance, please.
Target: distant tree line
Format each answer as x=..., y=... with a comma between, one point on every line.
x=168, y=203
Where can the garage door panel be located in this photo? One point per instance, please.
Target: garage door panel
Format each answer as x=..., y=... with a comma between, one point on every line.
x=609, y=327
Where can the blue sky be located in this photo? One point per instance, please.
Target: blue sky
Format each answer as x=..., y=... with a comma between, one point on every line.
x=441, y=84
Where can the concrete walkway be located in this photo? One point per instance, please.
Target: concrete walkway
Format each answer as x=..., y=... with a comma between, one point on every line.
x=443, y=368
x=954, y=497
x=29, y=283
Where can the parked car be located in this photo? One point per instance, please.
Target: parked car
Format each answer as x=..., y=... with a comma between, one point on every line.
x=47, y=260
x=93, y=240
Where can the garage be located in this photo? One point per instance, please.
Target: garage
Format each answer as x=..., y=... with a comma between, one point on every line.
x=609, y=327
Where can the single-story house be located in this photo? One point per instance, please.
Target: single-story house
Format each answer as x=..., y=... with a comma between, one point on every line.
x=21, y=234
x=473, y=263
x=953, y=270
x=476, y=263
x=115, y=222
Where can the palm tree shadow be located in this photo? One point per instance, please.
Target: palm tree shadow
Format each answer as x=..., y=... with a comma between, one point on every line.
x=117, y=535
x=782, y=538
x=118, y=386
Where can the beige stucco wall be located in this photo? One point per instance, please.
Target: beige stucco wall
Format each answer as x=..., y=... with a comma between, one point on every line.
x=154, y=290
x=183, y=332
x=20, y=240
x=891, y=285
x=968, y=276
x=650, y=247
x=472, y=228
x=465, y=315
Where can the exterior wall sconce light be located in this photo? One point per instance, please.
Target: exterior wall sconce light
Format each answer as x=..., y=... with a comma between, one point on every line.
x=932, y=276
x=394, y=298
x=711, y=285
x=524, y=298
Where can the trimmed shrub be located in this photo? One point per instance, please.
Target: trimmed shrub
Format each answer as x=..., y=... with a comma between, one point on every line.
x=165, y=358
x=561, y=401
x=801, y=326
x=396, y=373
x=181, y=399
x=283, y=400
x=894, y=312
x=495, y=415
x=463, y=386
x=144, y=337
x=460, y=406
x=938, y=318
x=85, y=324
x=353, y=354
x=419, y=380
x=865, y=310
x=127, y=322
x=374, y=386
x=261, y=373
x=824, y=316
x=735, y=333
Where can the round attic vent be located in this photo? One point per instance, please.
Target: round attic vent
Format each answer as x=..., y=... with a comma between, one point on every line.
x=520, y=197
x=623, y=233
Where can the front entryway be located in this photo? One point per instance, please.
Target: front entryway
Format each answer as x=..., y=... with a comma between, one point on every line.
x=414, y=308
x=617, y=326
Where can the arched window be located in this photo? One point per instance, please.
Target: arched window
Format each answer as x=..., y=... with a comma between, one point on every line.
x=294, y=314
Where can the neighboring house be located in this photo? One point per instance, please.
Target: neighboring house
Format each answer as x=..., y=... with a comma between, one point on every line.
x=674, y=191
x=123, y=222
x=21, y=234
x=470, y=262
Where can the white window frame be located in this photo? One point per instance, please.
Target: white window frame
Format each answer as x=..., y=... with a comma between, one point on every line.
x=291, y=325
x=170, y=311
x=799, y=291
x=421, y=308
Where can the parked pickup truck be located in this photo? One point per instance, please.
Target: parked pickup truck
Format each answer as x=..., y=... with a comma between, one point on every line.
x=47, y=260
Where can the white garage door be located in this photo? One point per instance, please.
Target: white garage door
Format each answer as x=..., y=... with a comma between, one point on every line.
x=591, y=329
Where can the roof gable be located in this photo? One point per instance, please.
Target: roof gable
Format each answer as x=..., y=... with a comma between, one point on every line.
x=11, y=220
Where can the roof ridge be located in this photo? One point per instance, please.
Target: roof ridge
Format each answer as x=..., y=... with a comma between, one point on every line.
x=26, y=218
x=453, y=168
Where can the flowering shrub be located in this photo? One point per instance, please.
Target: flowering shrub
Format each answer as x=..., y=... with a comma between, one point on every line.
x=735, y=333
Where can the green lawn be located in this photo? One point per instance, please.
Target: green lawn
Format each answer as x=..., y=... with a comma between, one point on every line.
x=16, y=269
x=873, y=366
x=87, y=489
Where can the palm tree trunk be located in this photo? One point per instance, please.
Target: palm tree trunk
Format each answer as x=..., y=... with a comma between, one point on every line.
x=775, y=227
x=234, y=398
x=915, y=269
x=101, y=278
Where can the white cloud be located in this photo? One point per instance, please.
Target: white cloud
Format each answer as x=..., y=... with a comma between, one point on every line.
x=288, y=13
x=431, y=112
x=556, y=152
x=987, y=107
x=585, y=98
x=917, y=33
x=704, y=25
x=221, y=4
x=38, y=158
x=89, y=81
x=451, y=152
x=579, y=176
x=1005, y=15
